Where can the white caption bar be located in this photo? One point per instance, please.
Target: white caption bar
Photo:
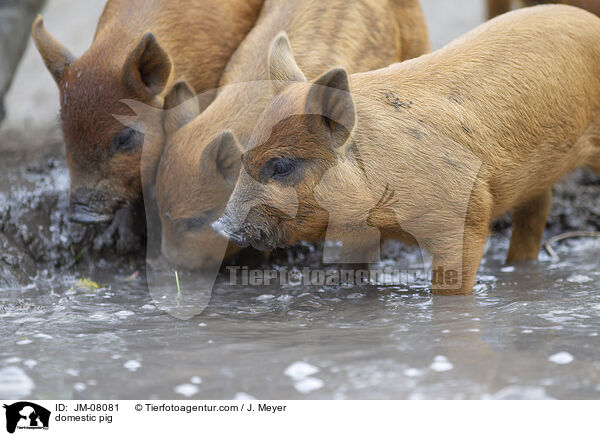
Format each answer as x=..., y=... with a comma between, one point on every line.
x=299, y=417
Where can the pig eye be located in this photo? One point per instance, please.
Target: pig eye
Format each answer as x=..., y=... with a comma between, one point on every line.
x=127, y=139
x=282, y=168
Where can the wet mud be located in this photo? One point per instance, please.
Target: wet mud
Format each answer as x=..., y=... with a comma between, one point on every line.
x=37, y=239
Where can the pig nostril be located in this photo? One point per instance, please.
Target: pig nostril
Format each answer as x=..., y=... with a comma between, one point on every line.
x=88, y=206
x=82, y=214
x=223, y=228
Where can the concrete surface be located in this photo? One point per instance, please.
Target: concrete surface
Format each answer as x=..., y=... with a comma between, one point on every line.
x=32, y=101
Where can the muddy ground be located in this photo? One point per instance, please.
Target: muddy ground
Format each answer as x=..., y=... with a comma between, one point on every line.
x=36, y=236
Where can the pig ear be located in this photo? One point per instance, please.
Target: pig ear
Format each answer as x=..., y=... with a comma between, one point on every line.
x=330, y=100
x=55, y=55
x=224, y=155
x=181, y=107
x=283, y=69
x=147, y=68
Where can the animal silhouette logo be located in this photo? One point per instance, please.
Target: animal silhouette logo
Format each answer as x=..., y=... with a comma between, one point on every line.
x=26, y=415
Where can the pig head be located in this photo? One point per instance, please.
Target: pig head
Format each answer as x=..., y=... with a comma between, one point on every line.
x=102, y=154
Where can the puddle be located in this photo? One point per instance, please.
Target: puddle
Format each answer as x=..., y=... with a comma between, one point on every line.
x=529, y=331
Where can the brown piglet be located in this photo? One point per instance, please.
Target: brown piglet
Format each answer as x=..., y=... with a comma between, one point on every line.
x=291, y=40
x=431, y=150
x=139, y=49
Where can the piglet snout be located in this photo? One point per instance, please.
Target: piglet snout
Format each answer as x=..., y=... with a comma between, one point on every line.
x=224, y=227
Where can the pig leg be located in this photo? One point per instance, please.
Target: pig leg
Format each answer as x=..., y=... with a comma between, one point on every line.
x=456, y=259
x=529, y=223
x=458, y=251
x=455, y=274
x=594, y=163
x=594, y=144
x=414, y=35
x=497, y=7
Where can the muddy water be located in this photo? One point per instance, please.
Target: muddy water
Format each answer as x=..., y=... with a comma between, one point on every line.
x=528, y=332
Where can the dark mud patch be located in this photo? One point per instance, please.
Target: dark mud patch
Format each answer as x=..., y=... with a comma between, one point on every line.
x=36, y=237
x=576, y=206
